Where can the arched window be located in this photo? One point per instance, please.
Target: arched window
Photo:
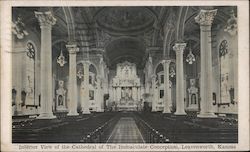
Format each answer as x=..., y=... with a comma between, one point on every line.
x=224, y=72
x=29, y=80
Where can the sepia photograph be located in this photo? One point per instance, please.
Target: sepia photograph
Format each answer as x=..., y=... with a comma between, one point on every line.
x=128, y=77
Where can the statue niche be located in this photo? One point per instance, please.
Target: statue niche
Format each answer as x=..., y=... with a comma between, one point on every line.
x=192, y=96
x=60, y=97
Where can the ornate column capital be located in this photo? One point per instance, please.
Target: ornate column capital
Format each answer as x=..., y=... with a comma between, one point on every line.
x=72, y=48
x=86, y=63
x=206, y=17
x=45, y=18
x=166, y=61
x=179, y=47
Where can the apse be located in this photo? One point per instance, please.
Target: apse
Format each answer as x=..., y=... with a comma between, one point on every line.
x=125, y=49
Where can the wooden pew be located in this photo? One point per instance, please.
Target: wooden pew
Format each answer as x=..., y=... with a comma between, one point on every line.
x=184, y=130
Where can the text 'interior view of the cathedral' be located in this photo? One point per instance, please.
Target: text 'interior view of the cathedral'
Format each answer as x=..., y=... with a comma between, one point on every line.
x=123, y=74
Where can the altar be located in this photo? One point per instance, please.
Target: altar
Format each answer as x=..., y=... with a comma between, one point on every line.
x=126, y=88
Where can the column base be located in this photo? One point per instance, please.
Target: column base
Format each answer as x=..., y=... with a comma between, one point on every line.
x=167, y=114
x=85, y=111
x=46, y=116
x=18, y=113
x=180, y=113
x=100, y=110
x=166, y=111
x=153, y=109
x=73, y=113
x=207, y=115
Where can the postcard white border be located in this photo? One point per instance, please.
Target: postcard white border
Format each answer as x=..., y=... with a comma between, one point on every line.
x=243, y=66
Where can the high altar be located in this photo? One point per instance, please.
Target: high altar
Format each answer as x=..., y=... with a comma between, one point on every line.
x=126, y=87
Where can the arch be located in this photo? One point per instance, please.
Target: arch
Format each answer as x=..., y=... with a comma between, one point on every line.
x=70, y=23
x=165, y=40
x=124, y=56
x=147, y=9
x=91, y=63
x=159, y=68
x=181, y=23
x=123, y=37
x=167, y=43
x=58, y=41
x=125, y=46
x=160, y=62
x=92, y=69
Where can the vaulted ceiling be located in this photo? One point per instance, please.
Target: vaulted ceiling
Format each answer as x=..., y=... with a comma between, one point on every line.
x=124, y=33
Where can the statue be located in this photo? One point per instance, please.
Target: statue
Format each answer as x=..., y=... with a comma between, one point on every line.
x=192, y=96
x=29, y=91
x=60, y=97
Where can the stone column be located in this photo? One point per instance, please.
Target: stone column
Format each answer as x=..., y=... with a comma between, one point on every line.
x=179, y=48
x=134, y=93
x=205, y=19
x=72, y=91
x=167, y=98
x=114, y=92
x=154, y=95
x=85, y=105
x=170, y=95
x=118, y=93
x=138, y=93
x=46, y=21
x=99, y=98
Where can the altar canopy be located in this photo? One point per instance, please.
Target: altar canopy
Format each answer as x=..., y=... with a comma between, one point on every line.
x=126, y=87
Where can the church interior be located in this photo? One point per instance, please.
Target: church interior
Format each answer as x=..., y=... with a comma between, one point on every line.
x=141, y=74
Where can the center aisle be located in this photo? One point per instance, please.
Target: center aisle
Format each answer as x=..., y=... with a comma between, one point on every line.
x=126, y=131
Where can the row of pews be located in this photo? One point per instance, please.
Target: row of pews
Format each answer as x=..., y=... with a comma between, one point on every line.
x=160, y=128
x=93, y=128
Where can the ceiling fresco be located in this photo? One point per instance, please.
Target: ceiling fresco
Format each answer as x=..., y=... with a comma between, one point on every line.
x=125, y=20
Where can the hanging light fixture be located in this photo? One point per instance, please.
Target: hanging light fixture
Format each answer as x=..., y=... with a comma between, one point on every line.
x=172, y=72
x=79, y=73
x=61, y=59
x=18, y=28
x=190, y=57
x=232, y=25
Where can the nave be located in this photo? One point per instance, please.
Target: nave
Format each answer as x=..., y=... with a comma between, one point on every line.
x=126, y=131
x=126, y=127
x=156, y=74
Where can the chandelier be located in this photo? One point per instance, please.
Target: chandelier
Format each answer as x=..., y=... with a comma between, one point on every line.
x=18, y=28
x=61, y=59
x=79, y=74
x=172, y=72
x=190, y=57
x=232, y=25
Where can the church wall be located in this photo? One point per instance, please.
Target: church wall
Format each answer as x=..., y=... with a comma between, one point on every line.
x=219, y=35
x=20, y=69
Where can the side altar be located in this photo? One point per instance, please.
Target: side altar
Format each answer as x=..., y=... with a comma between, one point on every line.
x=126, y=87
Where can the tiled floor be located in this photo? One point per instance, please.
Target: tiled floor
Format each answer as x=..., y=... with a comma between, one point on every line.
x=126, y=131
